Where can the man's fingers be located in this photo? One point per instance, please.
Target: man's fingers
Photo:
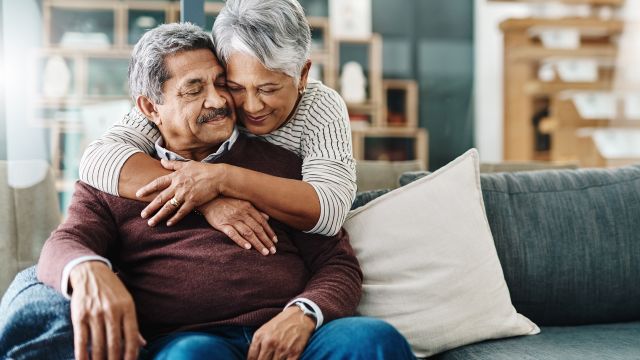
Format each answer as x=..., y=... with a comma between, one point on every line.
x=96, y=325
x=80, y=339
x=114, y=336
x=258, y=230
x=267, y=351
x=247, y=233
x=132, y=338
x=254, y=349
x=156, y=185
x=183, y=211
x=258, y=217
x=235, y=237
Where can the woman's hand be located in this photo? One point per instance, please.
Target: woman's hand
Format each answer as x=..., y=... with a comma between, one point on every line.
x=241, y=222
x=190, y=185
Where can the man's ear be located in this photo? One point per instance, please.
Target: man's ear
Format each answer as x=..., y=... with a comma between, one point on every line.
x=148, y=108
x=304, y=76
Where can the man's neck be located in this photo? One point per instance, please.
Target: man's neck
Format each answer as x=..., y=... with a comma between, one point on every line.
x=195, y=154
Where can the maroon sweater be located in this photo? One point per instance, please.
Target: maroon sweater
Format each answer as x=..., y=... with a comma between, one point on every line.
x=191, y=276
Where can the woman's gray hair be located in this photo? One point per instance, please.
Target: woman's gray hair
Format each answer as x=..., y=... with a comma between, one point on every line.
x=276, y=32
x=147, y=70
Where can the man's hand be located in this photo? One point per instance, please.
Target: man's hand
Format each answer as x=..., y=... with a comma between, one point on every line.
x=283, y=337
x=192, y=184
x=102, y=310
x=241, y=222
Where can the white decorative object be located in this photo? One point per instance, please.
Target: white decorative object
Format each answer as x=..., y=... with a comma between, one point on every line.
x=350, y=18
x=546, y=72
x=56, y=77
x=632, y=107
x=595, y=105
x=353, y=83
x=82, y=40
x=557, y=38
x=430, y=264
x=578, y=70
x=617, y=143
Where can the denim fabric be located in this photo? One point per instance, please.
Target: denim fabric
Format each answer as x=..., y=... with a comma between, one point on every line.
x=348, y=338
x=587, y=342
x=568, y=241
x=34, y=321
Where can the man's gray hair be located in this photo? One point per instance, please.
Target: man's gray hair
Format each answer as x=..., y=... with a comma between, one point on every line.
x=147, y=70
x=276, y=32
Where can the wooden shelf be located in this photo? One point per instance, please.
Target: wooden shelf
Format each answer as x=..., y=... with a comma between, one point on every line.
x=538, y=88
x=584, y=25
x=536, y=53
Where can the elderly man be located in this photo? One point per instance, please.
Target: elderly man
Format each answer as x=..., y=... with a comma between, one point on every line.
x=188, y=289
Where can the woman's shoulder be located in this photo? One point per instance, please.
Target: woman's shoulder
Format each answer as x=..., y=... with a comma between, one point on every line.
x=316, y=91
x=322, y=103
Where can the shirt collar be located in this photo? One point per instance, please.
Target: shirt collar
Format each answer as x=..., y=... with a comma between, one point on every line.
x=170, y=155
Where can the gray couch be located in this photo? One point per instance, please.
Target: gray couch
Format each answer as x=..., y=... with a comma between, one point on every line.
x=569, y=245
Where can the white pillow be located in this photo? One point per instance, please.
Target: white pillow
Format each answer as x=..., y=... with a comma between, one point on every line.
x=430, y=265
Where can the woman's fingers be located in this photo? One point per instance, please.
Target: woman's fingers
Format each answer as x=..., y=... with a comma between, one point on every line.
x=156, y=185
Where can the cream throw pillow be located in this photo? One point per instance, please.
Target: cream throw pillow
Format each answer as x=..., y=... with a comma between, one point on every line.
x=430, y=265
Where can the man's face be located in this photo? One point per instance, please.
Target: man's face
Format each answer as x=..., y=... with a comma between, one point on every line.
x=198, y=111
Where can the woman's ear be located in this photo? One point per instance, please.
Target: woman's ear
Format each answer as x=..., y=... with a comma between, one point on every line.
x=304, y=76
x=148, y=108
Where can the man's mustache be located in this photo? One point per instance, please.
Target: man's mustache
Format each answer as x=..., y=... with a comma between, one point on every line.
x=219, y=112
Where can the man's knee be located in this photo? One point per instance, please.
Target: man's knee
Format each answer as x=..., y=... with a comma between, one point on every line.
x=361, y=338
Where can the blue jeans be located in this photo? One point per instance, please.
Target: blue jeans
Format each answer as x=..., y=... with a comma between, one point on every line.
x=35, y=323
x=347, y=338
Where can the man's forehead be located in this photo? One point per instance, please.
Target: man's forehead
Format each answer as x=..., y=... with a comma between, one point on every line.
x=190, y=61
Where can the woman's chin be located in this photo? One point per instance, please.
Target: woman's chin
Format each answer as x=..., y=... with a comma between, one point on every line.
x=258, y=129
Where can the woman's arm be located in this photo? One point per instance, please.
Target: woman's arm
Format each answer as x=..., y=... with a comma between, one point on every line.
x=112, y=163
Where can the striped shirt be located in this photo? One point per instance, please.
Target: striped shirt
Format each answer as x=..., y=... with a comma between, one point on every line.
x=318, y=132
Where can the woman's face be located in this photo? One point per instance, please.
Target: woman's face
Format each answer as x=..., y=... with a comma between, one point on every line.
x=264, y=99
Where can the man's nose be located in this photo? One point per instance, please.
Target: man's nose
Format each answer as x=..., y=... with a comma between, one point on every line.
x=214, y=99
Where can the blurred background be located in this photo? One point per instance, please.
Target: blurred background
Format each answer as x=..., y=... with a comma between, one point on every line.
x=531, y=84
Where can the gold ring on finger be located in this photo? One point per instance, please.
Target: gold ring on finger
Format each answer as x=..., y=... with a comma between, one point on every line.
x=174, y=202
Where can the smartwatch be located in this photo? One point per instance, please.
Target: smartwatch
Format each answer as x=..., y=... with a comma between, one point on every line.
x=306, y=310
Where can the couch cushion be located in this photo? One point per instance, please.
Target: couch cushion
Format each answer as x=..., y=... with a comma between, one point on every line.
x=568, y=241
x=429, y=263
x=588, y=342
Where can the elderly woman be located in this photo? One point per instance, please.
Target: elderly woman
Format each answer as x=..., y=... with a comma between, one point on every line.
x=265, y=47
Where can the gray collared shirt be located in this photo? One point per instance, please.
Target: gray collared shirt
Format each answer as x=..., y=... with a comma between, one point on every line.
x=224, y=147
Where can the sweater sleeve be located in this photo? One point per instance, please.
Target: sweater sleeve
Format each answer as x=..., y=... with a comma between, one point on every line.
x=104, y=158
x=328, y=163
x=89, y=230
x=336, y=280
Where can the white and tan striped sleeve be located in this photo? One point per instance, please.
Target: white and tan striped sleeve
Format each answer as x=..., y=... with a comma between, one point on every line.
x=104, y=158
x=328, y=163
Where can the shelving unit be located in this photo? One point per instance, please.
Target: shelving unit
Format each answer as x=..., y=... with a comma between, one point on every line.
x=526, y=96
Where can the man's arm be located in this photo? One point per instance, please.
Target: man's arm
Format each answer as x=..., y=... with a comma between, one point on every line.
x=102, y=310
x=335, y=287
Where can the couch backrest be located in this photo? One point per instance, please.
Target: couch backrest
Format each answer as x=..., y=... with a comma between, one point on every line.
x=29, y=211
x=568, y=242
